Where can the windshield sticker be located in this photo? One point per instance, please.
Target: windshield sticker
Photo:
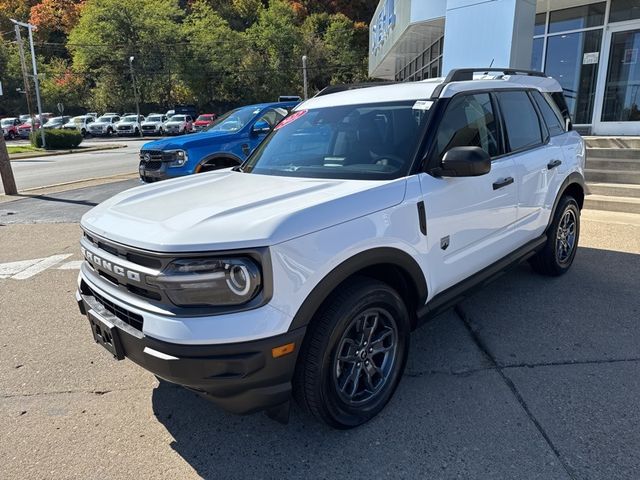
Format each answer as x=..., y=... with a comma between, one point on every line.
x=422, y=105
x=290, y=119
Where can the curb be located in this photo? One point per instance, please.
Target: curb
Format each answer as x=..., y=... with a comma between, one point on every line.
x=59, y=187
x=16, y=157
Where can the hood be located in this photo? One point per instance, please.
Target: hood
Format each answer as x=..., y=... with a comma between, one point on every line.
x=100, y=124
x=228, y=210
x=127, y=123
x=150, y=122
x=192, y=140
x=175, y=122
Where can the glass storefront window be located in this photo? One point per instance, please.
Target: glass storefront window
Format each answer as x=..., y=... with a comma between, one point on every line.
x=541, y=20
x=536, y=54
x=622, y=10
x=577, y=73
x=577, y=17
x=622, y=91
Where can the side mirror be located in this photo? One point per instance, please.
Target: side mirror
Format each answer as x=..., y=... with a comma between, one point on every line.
x=261, y=127
x=465, y=162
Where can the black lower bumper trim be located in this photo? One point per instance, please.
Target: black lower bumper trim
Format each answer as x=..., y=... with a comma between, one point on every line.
x=239, y=377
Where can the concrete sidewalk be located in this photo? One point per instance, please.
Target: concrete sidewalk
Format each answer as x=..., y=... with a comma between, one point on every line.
x=532, y=378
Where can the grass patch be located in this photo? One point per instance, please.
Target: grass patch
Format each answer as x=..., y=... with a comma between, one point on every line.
x=22, y=149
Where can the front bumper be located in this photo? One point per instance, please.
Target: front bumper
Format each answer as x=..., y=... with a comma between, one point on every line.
x=152, y=172
x=239, y=377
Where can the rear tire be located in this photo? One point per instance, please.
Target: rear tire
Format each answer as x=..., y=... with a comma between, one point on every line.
x=354, y=353
x=563, y=234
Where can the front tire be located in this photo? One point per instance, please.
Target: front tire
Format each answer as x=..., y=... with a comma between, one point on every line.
x=558, y=253
x=354, y=354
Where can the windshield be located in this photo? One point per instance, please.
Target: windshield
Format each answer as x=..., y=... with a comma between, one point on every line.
x=203, y=118
x=7, y=122
x=104, y=120
x=234, y=120
x=55, y=120
x=154, y=118
x=178, y=118
x=129, y=118
x=77, y=120
x=362, y=142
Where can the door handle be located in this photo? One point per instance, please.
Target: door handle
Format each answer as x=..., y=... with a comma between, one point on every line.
x=503, y=182
x=553, y=164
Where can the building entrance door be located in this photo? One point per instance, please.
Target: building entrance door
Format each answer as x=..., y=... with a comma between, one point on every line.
x=618, y=96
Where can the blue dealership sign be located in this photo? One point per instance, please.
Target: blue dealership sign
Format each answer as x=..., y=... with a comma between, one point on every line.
x=382, y=25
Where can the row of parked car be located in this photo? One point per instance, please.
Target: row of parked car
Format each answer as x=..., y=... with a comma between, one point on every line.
x=109, y=124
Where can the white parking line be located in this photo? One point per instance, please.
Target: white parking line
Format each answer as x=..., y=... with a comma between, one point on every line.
x=28, y=268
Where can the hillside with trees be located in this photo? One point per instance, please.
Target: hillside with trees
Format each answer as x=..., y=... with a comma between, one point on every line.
x=212, y=53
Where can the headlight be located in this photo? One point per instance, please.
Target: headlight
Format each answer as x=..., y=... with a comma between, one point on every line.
x=178, y=157
x=210, y=281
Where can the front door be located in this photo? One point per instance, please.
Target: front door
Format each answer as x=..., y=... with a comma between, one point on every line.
x=619, y=109
x=468, y=218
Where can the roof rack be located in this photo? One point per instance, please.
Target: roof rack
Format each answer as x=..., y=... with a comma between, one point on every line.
x=351, y=86
x=465, y=74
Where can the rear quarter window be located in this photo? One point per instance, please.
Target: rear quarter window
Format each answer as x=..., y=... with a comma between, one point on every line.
x=550, y=117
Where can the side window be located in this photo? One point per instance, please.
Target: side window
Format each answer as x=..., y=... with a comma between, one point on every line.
x=548, y=114
x=468, y=121
x=270, y=117
x=521, y=120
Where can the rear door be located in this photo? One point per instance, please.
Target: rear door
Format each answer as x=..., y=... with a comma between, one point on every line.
x=469, y=219
x=537, y=152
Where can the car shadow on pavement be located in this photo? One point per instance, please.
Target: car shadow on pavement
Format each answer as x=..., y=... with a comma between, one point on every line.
x=454, y=414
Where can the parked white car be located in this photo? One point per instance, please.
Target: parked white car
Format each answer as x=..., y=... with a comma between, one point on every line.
x=80, y=123
x=154, y=124
x=179, y=124
x=129, y=125
x=362, y=214
x=105, y=126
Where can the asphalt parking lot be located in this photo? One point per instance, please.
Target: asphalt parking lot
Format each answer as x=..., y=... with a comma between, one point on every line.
x=529, y=378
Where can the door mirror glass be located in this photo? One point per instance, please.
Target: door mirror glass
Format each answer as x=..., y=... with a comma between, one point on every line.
x=261, y=127
x=465, y=162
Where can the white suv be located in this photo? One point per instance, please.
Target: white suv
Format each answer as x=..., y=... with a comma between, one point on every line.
x=362, y=214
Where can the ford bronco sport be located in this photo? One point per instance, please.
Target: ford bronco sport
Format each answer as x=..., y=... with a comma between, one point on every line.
x=365, y=212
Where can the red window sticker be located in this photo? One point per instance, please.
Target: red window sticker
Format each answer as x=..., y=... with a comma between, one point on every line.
x=290, y=119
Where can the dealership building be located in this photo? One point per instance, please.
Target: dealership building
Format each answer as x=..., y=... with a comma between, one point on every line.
x=591, y=47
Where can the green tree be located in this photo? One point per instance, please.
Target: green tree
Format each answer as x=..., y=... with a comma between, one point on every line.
x=271, y=64
x=346, y=44
x=110, y=31
x=214, y=53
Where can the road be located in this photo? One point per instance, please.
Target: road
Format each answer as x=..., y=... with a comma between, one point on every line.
x=54, y=169
x=531, y=378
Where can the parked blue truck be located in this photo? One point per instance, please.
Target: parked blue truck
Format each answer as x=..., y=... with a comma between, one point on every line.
x=227, y=143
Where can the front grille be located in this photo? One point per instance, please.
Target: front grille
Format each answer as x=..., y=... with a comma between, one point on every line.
x=153, y=154
x=148, y=127
x=130, y=318
x=124, y=127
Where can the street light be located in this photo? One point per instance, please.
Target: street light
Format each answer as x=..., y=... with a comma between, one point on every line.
x=135, y=94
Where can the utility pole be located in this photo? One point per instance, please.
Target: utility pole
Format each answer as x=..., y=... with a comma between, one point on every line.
x=135, y=93
x=30, y=27
x=23, y=65
x=304, y=76
x=8, y=181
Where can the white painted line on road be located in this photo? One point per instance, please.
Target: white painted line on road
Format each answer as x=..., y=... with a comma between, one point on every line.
x=73, y=265
x=25, y=269
x=10, y=269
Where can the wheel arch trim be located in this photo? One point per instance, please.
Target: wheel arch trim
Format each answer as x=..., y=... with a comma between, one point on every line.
x=358, y=263
x=574, y=178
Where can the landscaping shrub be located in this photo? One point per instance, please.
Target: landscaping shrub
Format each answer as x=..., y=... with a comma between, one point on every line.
x=57, y=139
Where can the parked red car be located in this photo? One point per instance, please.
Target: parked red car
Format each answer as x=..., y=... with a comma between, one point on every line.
x=203, y=121
x=10, y=127
x=24, y=130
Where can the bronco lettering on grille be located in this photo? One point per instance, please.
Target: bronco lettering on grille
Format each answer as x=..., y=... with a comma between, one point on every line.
x=109, y=266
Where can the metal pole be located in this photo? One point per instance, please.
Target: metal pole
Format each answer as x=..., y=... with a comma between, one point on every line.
x=135, y=93
x=304, y=76
x=37, y=82
x=23, y=66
